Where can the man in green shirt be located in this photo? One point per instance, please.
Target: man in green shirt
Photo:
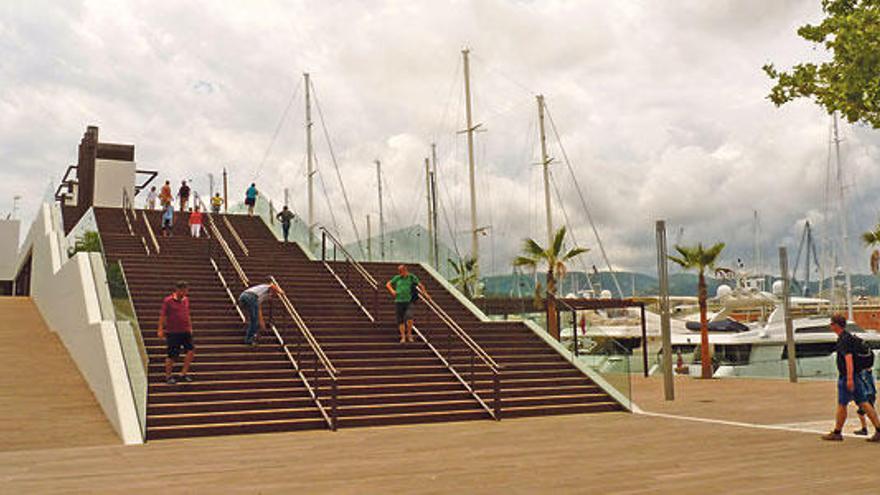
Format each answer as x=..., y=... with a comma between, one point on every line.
x=403, y=286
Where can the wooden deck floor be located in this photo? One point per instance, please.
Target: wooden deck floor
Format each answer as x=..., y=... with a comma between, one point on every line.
x=605, y=453
x=44, y=401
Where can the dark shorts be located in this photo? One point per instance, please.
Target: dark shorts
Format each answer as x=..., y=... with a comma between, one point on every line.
x=176, y=341
x=166, y=224
x=870, y=388
x=250, y=201
x=403, y=312
x=859, y=394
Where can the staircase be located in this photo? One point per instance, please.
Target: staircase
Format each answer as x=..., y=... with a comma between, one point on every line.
x=238, y=389
x=536, y=380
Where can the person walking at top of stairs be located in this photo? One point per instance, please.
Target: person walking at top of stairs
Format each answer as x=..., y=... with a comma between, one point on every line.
x=183, y=194
x=405, y=288
x=175, y=326
x=165, y=195
x=251, y=301
x=195, y=222
x=285, y=216
x=216, y=203
x=250, y=198
x=152, y=196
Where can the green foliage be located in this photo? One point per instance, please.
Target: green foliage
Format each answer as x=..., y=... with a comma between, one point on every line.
x=465, y=278
x=89, y=242
x=850, y=82
x=554, y=258
x=871, y=238
x=697, y=257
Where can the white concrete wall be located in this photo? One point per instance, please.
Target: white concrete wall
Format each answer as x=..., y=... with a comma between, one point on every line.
x=9, y=234
x=111, y=177
x=67, y=295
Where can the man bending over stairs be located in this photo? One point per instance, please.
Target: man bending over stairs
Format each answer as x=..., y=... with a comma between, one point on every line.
x=175, y=326
x=251, y=301
x=403, y=287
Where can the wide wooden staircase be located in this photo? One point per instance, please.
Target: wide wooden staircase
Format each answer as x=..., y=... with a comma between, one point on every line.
x=331, y=356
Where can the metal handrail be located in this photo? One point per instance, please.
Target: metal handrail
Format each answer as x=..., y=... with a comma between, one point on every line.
x=228, y=290
x=304, y=329
x=475, y=349
x=441, y=313
x=320, y=357
x=235, y=236
x=325, y=234
x=366, y=276
x=228, y=252
x=476, y=352
x=151, y=232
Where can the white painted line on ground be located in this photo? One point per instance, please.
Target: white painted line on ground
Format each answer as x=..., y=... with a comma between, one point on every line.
x=808, y=427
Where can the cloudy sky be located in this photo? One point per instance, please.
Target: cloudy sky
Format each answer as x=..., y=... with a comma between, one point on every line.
x=659, y=104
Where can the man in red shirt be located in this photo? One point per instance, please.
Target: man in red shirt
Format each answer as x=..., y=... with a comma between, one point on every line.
x=175, y=326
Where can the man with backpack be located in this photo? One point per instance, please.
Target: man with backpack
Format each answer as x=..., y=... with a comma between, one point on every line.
x=853, y=356
x=405, y=287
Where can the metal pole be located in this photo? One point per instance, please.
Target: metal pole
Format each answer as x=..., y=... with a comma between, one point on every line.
x=430, y=214
x=545, y=162
x=381, y=214
x=475, y=242
x=644, y=340
x=225, y=192
x=665, y=330
x=434, y=204
x=843, y=224
x=786, y=307
x=369, y=240
x=311, y=164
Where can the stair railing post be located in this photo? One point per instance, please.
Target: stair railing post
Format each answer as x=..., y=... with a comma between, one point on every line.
x=574, y=332
x=333, y=405
x=473, y=357
x=323, y=245
x=496, y=400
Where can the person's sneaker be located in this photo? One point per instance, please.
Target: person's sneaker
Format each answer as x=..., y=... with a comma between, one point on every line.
x=863, y=432
x=171, y=380
x=833, y=436
x=875, y=438
x=186, y=378
x=255, y=343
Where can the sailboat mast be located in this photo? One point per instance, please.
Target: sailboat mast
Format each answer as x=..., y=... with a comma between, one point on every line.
x=843, y=223
x=311, y=163
x=430, y=215
x=475, y=242
x=434, y=204
x=381, y=213
x=545, y=163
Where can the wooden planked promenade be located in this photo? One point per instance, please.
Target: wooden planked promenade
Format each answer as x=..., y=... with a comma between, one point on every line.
x=44, y=401
x=605, y=453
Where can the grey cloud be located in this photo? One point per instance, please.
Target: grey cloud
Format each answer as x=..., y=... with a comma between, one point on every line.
x=660, y=106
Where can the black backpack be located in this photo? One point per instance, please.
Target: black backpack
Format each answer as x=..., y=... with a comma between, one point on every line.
x=415, y=292
x=863, y=357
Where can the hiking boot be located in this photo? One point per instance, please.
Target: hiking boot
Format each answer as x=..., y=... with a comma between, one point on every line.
x=835, y=436
x=171, y=380
x=875, y=438
x=186, y=378
x=862, y=433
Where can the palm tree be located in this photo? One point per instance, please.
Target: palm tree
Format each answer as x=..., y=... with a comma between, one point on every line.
x=871, y=238
x=554, y=258
x=465, y=275
x=700, y=259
